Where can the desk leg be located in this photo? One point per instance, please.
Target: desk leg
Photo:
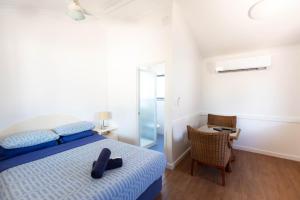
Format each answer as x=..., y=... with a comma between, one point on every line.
x=192, y=167
x=232, y=159
x=228, y=167
x=232, y=156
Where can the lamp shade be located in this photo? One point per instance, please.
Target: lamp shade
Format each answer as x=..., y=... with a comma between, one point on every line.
x=104, y=115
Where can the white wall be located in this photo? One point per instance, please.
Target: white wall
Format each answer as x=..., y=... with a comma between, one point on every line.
x=132, y=46
x=267, y=102
x=182, y=85
x=50, y=64
x=135, y=45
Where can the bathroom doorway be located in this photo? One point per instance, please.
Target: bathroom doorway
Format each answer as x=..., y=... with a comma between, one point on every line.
x=151, y=106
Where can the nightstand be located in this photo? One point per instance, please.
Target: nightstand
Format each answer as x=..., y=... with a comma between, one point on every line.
x=108, y=132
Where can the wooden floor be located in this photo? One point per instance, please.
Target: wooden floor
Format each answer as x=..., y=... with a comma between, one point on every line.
x=253, y=177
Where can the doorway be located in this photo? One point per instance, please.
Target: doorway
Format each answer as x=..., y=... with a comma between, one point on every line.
x=151, y=106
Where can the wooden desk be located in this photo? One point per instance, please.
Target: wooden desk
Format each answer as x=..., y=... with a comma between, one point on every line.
x=209, y=129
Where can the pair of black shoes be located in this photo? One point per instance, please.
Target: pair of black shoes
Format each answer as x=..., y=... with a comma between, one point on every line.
x=105, y=163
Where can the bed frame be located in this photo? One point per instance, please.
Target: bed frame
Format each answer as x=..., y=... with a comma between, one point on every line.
x=40, y=122
x=51, y=121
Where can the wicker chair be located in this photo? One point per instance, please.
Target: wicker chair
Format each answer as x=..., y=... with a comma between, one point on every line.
x=224, y=121
x=219, y=120
x=212, y=149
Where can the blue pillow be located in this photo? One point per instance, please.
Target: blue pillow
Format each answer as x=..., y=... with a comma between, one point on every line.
x=76, y=136
x=73, y=128
x=28, y=138
x=9, y=153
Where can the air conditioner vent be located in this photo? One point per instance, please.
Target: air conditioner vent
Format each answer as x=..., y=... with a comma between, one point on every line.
x=243, y=64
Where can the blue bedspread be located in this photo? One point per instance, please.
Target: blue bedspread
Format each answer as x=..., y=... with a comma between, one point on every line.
x=36, y=155
x=66, y=175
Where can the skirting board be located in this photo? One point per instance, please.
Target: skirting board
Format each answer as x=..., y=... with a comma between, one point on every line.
x=172, y=165
x=268, y=153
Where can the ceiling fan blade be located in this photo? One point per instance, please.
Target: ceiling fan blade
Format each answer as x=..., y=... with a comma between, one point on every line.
x=75, y=11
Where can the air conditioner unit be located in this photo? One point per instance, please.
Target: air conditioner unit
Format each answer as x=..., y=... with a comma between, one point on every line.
x=243, y=64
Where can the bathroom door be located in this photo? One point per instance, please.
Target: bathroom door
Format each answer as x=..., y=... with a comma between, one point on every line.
x=147, y=108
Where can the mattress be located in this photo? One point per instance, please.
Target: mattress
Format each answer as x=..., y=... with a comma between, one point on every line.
x=66, y=174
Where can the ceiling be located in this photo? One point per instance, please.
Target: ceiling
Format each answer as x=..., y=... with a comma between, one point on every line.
x=120, y=9
x=126, y=9
x=223, y=26
x=219, y=26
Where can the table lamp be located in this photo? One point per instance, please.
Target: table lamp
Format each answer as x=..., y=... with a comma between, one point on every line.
x=104, y=116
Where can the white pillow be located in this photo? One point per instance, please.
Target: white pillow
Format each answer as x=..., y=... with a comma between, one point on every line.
x=74, y=128
x=28, y=138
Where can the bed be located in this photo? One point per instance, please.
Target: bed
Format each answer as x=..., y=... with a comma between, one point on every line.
x=63, y=172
